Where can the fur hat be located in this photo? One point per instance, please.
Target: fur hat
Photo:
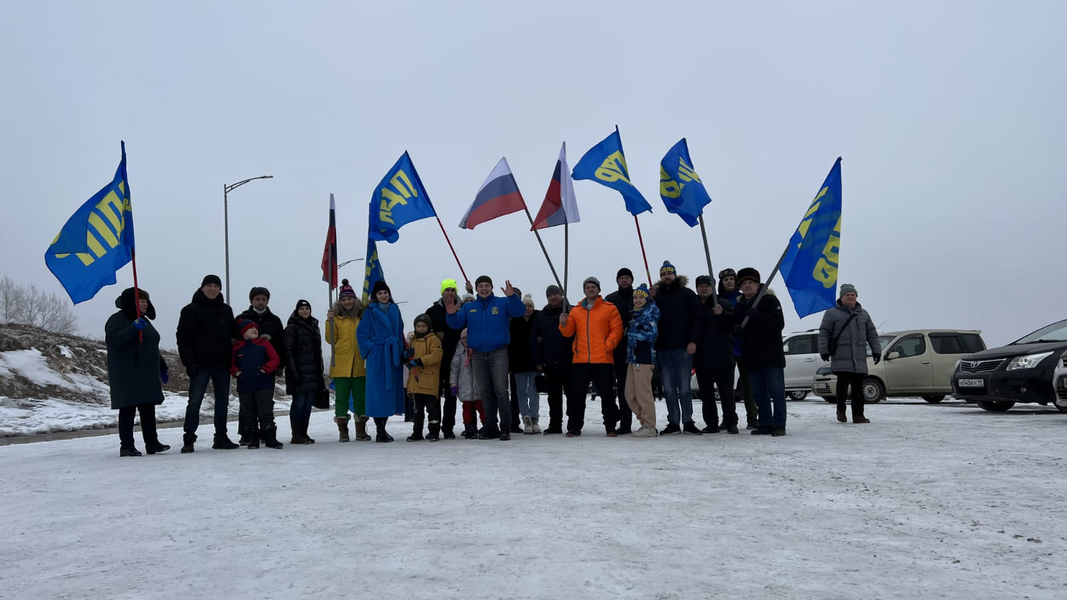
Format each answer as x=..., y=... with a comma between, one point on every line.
x=667, y=268
x=379, y=286
x=846, y=288
x=244, y=325
x=592, y=280
x=704, y=280
x=553, y=289
x=624, y=271
x=748, y=273
x=126, y=302
x=723, y=274
x=448, y=284
x=483, y=279
x=211, y=279
x=346, y=290
x=258, y=291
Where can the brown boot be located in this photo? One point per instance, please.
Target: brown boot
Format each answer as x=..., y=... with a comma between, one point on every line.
x=841, y=416
x=860, y=419
x=342, y=428
x=361, y=429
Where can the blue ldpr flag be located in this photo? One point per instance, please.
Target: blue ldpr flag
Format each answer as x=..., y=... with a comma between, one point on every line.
x=605, y=163
x=810, y=264
x=398, y=200
x=679, y=185
x=96, y=241
x=373, y=272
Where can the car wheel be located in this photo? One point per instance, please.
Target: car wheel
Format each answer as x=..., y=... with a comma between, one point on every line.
x=873, y=391
x=934, y=399
x=995, y=406
x=798, y=395
x=830, y=399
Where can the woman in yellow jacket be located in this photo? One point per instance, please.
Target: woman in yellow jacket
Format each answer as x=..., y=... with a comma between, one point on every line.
x=348, y=372
x=423, y=358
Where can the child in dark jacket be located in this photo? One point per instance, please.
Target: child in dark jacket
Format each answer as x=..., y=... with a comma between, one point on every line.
x=254, y=361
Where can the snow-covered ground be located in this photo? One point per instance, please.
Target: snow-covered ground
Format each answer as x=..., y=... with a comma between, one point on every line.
x=929, y=501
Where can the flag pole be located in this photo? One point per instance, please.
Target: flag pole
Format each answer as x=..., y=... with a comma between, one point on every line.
x=538, y=234
x=707, y=255
x=767, y=285
x=566, y=256
x=450, y=247
x=333, y=322
x=642, y=242
x=136, y=294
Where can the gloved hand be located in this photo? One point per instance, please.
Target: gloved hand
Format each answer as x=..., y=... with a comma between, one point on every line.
x=825, y=357
x=139, y=324
x=454, y=389
x=190, y=371
x=877, y=358
x=408, y=353
x=417, y=362
x=164, y=376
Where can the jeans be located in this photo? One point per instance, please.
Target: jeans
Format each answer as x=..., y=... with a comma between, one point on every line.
x=602, y=375
x=723, y=380
x=220, y=380
x=300, y=409
x=676, y=367
x=768, y=390
x=558, y=380
x=148, y=424
x=529, y=401
x=844, y=382
x=491, y=375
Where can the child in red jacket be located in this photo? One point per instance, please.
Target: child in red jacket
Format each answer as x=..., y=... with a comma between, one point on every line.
x=254, y=359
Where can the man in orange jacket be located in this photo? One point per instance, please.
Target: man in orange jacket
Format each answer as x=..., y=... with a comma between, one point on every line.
x=597, y=330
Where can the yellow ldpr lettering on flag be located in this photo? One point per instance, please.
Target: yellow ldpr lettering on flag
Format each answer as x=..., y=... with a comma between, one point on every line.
x=667, y=186
x=108, y=206
x=613, y=168
x=803, y=229
x=826, y=269
x=685, y=172
x=390, y=198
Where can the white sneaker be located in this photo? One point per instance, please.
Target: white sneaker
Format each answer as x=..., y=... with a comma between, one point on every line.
x=535, y=427
x=644, y=432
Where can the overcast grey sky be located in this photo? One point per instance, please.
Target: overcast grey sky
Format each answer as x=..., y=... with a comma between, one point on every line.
x=949, y=116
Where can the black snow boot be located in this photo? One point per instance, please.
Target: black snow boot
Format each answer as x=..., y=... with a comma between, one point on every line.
x=155, y=447
x=270, y=438
x=222, y=442
x=187, y=443
x=435, y=433
x=253, y=439
x=129, y=451
x=382, y=435
x=416, y=433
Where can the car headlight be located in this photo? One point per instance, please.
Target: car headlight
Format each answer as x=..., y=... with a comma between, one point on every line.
x=824, y=371
x=1027, y=362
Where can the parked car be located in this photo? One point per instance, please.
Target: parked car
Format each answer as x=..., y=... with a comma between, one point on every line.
x=1022, y=371
x=917, y=362
x=801, y=361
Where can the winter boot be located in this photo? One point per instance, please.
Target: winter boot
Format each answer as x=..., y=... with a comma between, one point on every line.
x=129, y=451
x=253, y=439
x=535, y=426
x=527, y=426
x=155, y=447
x=299, y=433
x=416, y=433
x=860, y=419
x=690, y=428
x=435, y=433
x=470, y=432
x=382, y=436
x=222, y=442
x=342, y=428
x=505, y=434
x=187, y=443
x=270, y=438
x=361, y=429
x=841, y=416
x=671, y=429
x=448, y=434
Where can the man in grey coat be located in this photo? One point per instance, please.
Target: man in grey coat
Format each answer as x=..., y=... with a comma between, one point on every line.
x=843, y=337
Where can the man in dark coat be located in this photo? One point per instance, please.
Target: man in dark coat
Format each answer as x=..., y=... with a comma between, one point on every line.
x=449, y=340
x=206, y=331
x=714, y=360
x=623, y=299
x=551, y=353
x=731, y=295
x=681, y=323
x=270, y=328
x=761, y=350
x=135, y=370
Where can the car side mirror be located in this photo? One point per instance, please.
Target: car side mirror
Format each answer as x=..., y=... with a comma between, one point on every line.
x=892, y=355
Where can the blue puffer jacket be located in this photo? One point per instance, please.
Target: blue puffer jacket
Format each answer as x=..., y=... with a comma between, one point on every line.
x=256, y=360
x=641, y=335
x=488, y=321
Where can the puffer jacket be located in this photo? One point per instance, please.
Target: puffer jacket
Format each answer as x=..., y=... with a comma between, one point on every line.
x=254, y=362
x=206, y=331
x=761, y=338
x=427, y=378
x=462, y=374
x=597, y=330
x=303, y=354
x=347, y=358
x=641, y=335
x=681, y=321
x=851, y=354
x=270, y=326
x=488, y=321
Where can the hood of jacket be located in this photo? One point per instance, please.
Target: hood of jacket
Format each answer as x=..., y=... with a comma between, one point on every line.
x=126, y=302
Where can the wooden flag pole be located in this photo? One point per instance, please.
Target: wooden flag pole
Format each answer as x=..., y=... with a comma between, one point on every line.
x=707, y=255
x=450, y=247
x=538, y=234
x=642, y=242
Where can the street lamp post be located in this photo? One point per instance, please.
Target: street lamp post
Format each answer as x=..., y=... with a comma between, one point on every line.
x=349, y=261
x=226, y=189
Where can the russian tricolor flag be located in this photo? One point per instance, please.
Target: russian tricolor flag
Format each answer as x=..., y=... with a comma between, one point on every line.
x=498, y=196
x=559, y=206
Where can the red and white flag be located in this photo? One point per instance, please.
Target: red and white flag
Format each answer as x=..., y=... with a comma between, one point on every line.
x=559, y=206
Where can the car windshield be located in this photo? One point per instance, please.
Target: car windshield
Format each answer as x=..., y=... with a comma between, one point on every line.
x=883, y=341
x=1057, y=332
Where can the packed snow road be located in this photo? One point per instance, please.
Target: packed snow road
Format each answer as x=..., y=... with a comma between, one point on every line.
x=927, y=501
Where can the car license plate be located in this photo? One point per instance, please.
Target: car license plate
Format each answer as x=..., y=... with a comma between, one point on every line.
x=970, y=383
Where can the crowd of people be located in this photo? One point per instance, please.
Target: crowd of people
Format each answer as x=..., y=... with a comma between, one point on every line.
x=487, y=352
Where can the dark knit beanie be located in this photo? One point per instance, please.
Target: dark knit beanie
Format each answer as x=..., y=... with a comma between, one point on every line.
x=211, y=279
x=667, y=268
x=553, y=289
x=379, y=286
x=624, y=271
x=482, y=279
x=258, y=291
x=244, y=325
x=301, y=303
x=424, y=318
x=592, y=280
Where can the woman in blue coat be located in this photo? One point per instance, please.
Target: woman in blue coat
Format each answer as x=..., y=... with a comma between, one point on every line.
x=381, y=342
